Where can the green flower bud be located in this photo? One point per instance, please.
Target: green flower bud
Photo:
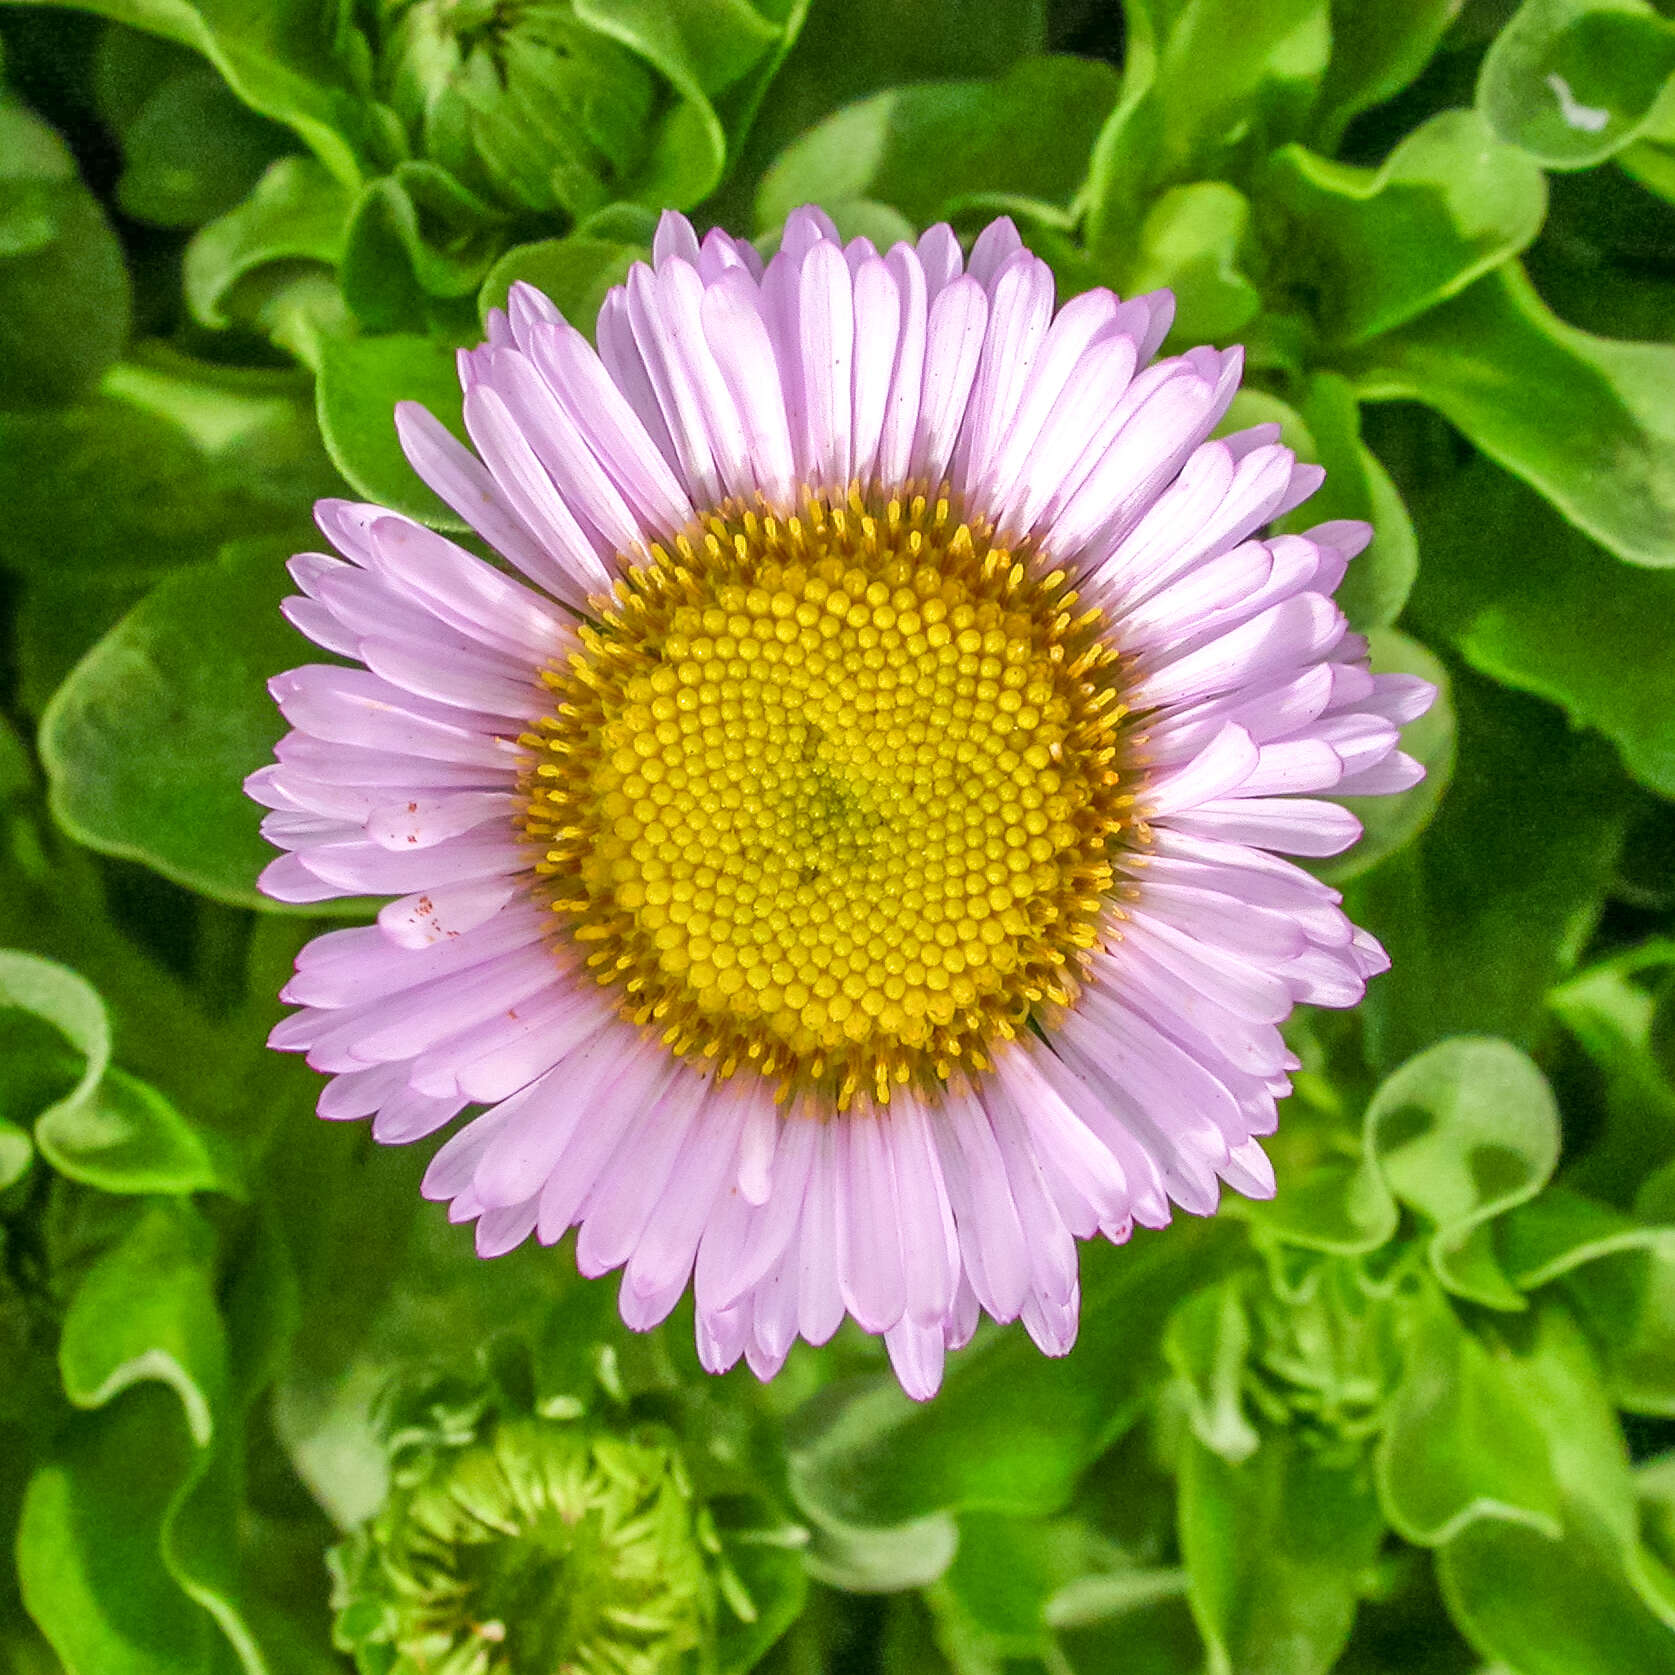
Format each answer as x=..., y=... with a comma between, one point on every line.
x=531, y=1546
x=519, y=99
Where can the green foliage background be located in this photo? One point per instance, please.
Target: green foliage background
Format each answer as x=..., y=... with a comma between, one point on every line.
x=1417, y=1414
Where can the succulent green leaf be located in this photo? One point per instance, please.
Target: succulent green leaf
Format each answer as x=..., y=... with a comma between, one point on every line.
x=89, y=1562
x=992, y=1603
x=1461, y=1134
x=1612, y=1008
x=192, y=152
x=1230, y=79
x=1457, y=1445
x=289, y=61
x=109, y=1130
x=1546, y=610
x=1492, y=903
x=147, y=744
x=128, y=1548
x=844, y=53
x=1125, y=1622
x=1010, y=1430
x=1190, y=241
x=146, y=1311
x=1376, y=52
x=1276, y=1551
x=1652, y=165
x=1332, y=1204
x=575, y=272
x=715, y=53
x=17, y=1152
x=360, y=382
x=1583, y=1604
x=1619, y=1274
x=923, y=149
x=1208, y=1344
x=170, y=460
x=65, y=296
x=296, y=214
x=414, y=235
x=1588, y=422
x=1573, y=81
x=1378, y=247
x=867, y=1559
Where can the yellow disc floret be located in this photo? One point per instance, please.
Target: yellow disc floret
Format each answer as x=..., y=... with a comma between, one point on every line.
x=833, y=797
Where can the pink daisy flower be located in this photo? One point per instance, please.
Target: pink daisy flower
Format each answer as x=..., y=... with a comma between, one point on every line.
x=844, y=870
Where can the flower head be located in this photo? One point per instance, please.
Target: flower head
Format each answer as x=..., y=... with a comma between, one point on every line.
x=520, y=1543
x=505, y=94
x=846, y=868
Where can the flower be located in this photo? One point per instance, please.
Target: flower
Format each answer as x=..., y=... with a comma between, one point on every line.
x=844, y=868
x=516, y=1542
x=507, y=96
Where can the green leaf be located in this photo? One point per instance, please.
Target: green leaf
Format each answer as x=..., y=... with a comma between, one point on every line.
x=128, y=1547
x=110, y=1130
x=361, y=380
x=575, y=272
x=1493, y=902
x=1326, y=1356
x=1551, y=613
x=1588, y=422
x=146, y=1311
x=846, y=52
x=706, y=49
x=192, y=151
x=992, y=1602
x=1276, y=1550
x=414, y=235
x=381, y=1285
x=1011, y=1430
x=776, y=1580
x=65, y=298
x=1376, y=52
x=289, y=60
x=17, y=1152
x=1390, y=823
x=1579, y=1605
x=147, y=744
x=1330, y=1203
x=296, y=214
x=1208, y=85
x=1619, y=1274
x=1461, y=1134
x=1572, y=81
x=865, y=1559
x=1125, y=1623
x=1191, y=242
x=925, y=149
x=1652, y=166
x=1377, y=247
x=1457, y=1447
x=1208, y=1344
x=171, y=459
x=89, y=1563
x=1613, y=1013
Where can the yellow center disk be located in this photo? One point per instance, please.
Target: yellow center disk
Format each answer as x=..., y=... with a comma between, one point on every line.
x=833, y=797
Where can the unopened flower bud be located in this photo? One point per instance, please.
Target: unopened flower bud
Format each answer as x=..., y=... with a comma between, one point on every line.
x=536, y=1547
x=519, y=99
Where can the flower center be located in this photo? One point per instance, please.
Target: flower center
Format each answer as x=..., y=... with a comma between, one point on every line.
x=833, y=796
